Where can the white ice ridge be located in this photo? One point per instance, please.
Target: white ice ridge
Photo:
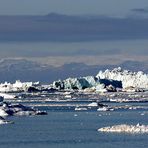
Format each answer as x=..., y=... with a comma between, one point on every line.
x=124, y=128
x=17, y=86
x=128, y=78
x=107, y=81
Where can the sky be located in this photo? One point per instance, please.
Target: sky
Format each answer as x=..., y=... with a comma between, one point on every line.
x=56, y=39
x=71, y=7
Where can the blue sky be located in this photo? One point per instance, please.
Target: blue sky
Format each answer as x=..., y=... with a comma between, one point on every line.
x=97, y=7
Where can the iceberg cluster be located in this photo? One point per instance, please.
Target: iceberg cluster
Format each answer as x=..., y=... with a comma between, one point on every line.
x=107, y=81
x=124, y=128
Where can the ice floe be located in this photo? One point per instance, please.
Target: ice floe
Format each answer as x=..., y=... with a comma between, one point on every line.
x=93, y=104
x=7, y=96
x=124, y=128
x=9, y=109
x=4, y=121
x=80, y=109
x=103, y=109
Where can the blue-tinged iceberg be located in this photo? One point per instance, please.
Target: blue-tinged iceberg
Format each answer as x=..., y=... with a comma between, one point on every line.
x=87, y=83
x=76, y=83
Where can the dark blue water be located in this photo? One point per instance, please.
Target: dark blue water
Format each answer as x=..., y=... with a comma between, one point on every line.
x=72, y=129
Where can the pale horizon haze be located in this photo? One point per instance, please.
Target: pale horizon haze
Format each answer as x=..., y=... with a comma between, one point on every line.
x=77, y=7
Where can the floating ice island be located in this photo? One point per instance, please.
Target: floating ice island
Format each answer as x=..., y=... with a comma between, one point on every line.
x=124, y=128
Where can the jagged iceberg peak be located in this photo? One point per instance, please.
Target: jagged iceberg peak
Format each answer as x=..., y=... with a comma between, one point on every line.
x=128, y=78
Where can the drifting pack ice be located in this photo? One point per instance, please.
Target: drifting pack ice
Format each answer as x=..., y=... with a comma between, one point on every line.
x=124, y=128
x=19, y=86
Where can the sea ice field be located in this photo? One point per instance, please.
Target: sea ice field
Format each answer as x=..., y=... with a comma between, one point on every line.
x=96, y=114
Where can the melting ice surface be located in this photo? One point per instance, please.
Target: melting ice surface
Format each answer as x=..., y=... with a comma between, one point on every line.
x=75, y=113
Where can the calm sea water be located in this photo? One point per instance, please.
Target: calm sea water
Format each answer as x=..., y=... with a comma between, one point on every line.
x=72, y=129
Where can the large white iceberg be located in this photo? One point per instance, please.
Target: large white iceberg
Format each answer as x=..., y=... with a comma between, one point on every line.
x=128, y=78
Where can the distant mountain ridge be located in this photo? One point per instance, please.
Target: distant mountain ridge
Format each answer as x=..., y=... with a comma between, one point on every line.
x=25, y=70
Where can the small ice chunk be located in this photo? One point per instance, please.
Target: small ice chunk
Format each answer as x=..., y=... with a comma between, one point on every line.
x=124, y=128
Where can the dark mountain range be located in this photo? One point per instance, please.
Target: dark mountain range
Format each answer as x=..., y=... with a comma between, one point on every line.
x=25, y=70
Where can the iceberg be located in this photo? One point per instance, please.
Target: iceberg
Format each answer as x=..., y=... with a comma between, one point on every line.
x=93, y=104
x=107, y=81
x=80, y=109
x=124, y=128
x=88, y=84
x=18, y=86
x=103, y=109
x=8, y=109
x=3, y=121
x=7, y=96
x=75, y=83
x=128, y=78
